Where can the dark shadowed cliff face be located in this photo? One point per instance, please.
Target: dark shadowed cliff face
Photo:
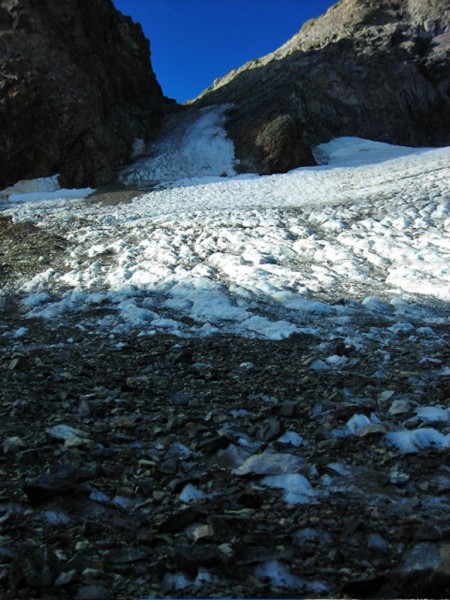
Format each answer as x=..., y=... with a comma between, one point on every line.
x=76, y=89
x=377, y=69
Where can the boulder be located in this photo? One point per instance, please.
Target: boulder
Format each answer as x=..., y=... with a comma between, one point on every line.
x=76, y=90
x=377, y=69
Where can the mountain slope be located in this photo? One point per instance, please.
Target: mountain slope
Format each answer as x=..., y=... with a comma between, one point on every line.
x=377, y=69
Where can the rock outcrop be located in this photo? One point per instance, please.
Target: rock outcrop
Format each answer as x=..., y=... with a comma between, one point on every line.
x=76, y=89
x=378, y=69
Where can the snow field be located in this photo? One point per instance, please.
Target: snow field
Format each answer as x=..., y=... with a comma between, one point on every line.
x=230, y=254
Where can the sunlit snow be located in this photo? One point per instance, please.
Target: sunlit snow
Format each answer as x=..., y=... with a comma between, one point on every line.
x=318, y=250
x=43, y=188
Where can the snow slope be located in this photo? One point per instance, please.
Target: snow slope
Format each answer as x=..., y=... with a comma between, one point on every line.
x=363, y=234
x=191, y=145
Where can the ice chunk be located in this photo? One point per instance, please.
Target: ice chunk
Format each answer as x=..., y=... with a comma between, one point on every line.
x=433, y=414
x=290, y=437
x=357, y=423
x=279, y=574
x=191, y=493
x=270, y=464
x=401, y=328
x=272, y=330
x=297, y=488
x=418, y=439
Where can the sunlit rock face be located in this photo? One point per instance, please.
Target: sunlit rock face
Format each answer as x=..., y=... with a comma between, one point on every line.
x=376, y=69
x=76, y=90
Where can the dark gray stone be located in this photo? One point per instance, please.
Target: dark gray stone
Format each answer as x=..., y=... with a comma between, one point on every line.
x=76, y=89
x=424, y=571
x=93, y=592
x=35, y=565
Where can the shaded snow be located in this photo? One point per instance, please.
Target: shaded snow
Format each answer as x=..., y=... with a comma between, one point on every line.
x=196, y=147
x=43, y=188
x=418, y=439
x=278, y=574
x=297, y=489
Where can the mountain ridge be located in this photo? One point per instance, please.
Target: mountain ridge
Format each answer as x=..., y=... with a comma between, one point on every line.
x=369, y=69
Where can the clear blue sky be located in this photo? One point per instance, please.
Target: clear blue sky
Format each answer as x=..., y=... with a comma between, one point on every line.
x=195, y=41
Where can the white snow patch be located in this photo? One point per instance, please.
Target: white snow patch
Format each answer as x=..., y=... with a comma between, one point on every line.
x=353, y=151
x=433, y=414
x=279, y=574
x=191, y=493
x=20, y=332
x=291, y=437
x=197, y=147
x=297, y=489
x=42, y=188
x=418, y=439
x=27, y=186
x=357, y=423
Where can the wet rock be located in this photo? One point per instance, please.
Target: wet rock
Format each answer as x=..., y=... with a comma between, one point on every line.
x=13, y=444
x=65, y=432
x=213, y=444
x=424, y=571
x=201, y=532
x=180, y=399
x=374, y=587
x=400, y=407
x=191, y=493
x=250, y=499
x=354, y=529
x=18, y=363
x=397, y=477
x=288, y=409
x=65, y=577
x=35, y=565
x=184, y=357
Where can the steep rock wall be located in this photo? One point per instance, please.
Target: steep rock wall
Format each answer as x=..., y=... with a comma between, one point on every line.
x=76, y=89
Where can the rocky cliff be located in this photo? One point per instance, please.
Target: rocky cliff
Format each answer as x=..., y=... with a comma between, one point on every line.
x=76, y=89
x=377, y=69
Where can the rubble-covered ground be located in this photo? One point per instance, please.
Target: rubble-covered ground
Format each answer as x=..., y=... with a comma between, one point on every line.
x=129, y=467
x=230, y=388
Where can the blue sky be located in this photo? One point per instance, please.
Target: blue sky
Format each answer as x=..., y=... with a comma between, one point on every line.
x=195, y=41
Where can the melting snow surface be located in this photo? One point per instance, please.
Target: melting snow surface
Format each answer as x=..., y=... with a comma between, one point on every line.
x=315, y=251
